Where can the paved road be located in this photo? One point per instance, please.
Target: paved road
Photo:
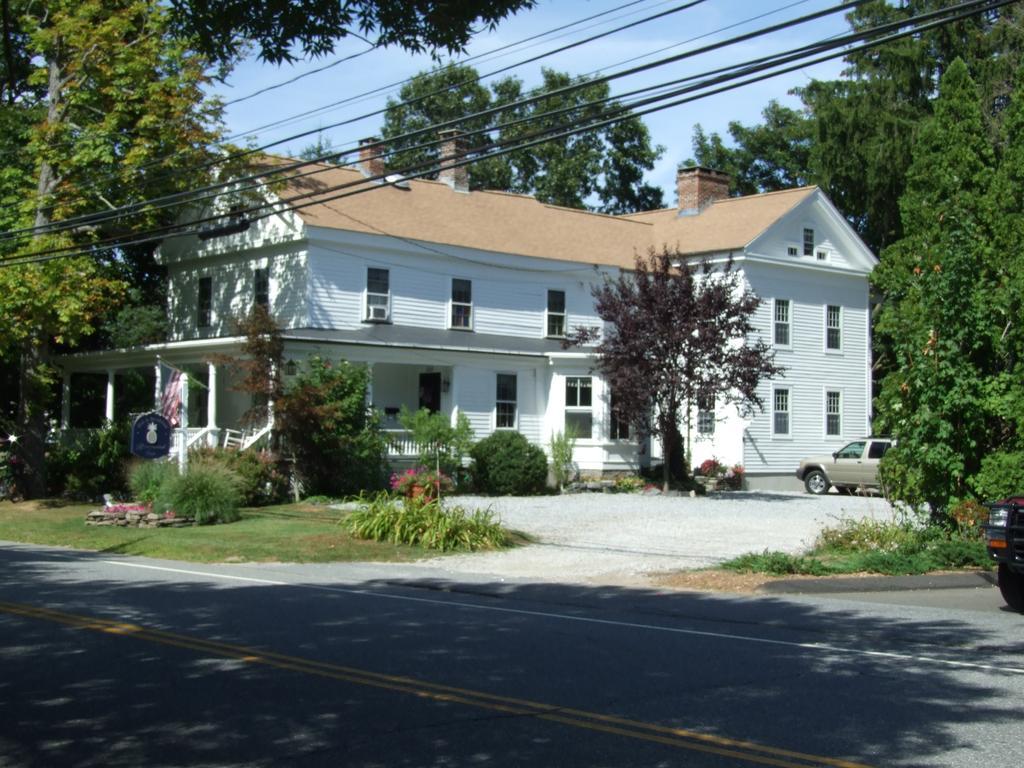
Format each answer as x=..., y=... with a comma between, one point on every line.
x=128, y=662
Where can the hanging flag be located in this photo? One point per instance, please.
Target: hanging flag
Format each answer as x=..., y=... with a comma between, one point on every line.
x=170, y=396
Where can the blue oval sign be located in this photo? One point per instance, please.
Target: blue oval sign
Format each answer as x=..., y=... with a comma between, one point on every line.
x=151, y=436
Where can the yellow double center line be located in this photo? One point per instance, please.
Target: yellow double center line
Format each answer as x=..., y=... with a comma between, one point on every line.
x=672, y=737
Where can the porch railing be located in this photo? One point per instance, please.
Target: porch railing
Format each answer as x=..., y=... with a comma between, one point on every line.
x=401, y=444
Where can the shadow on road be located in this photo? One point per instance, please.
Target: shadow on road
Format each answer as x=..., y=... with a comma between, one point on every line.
x=767, y=670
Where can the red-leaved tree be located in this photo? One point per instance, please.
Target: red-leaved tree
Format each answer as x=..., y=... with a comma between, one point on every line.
x=676, y=331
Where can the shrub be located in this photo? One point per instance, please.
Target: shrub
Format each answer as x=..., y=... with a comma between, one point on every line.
x=852, y=535
x=629, y=484
x=145, y=478
x=776, y=564
x=425, y=523
x=91, y=464
x=563, y=444
x=334, y=438
x=1001, y=475
x=263, y=476
x=208, y=492
x=438, y=442
x=507, y=464
x=710, y=468
x=967, y=517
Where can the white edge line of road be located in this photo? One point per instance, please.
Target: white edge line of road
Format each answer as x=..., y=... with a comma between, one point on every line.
x=590, y=620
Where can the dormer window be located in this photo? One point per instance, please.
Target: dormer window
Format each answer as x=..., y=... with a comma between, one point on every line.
x=808, y=242
x=378, y=295
x=792, y=251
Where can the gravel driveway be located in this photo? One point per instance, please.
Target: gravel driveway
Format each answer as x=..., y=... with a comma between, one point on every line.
x=622, y=538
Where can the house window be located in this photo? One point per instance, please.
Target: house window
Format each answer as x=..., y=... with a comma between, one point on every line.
x=556, y=313
x=792, y=251
x=462, y=303
x=706, y=415
x=505, y=408
x=808, y=242
x=822, y=255
x=833, y=413
x=205, y=302
x=378, y=295
x=780, y=412
x=833, y=327
x=619, y=427
x=578, y=402
x=782, y=322
x=261, y=287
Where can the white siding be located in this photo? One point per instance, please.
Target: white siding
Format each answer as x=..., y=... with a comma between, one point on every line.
x=509, y=293
x=233, y=285
x=810, y=369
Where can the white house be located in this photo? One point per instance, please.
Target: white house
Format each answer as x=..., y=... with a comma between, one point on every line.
x=457, y=301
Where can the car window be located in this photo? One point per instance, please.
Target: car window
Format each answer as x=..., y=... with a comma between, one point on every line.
x=877, y=450
x=851, y=451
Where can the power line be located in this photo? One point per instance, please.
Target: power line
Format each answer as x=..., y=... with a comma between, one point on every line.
x=254, y=150
x=183, y=198
x=275, y=208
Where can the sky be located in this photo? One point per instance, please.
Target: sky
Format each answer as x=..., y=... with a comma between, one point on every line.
x=678, y=32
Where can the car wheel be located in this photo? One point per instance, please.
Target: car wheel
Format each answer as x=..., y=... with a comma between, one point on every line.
x=815, y=482
x=1011, y=585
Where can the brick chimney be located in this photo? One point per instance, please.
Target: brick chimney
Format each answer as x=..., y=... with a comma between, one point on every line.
x=452, y=148
x=699, y=187
x=371, y=161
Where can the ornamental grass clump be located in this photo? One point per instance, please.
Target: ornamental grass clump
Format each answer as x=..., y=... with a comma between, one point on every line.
x=208, y=493
x=426, y=523
x=145, y=478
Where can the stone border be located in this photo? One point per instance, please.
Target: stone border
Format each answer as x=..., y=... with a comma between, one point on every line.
x=136, y=518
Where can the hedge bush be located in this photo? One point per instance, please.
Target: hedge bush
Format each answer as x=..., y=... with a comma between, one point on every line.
x=507, y=464
x=91, y=464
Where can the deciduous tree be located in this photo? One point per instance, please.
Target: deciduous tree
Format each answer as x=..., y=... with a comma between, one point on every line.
x=676, y=331
x=607, y=163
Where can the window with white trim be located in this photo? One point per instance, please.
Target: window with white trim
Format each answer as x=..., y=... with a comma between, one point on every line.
x=204, y=303
x=505, y=401
x=808, y=242
x=462, y=304
x=781, y=322
x=791, y=250
x=706, y=415
x=833, y=413
x=780, y=411
x=261, y=287
x=833, y=327
x=556, y=313
x=378, y=295
x=579, y=414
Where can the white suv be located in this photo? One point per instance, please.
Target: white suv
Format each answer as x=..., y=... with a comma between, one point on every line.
x=853, y=466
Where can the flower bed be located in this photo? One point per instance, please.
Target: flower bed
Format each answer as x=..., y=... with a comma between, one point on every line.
x=137, y=516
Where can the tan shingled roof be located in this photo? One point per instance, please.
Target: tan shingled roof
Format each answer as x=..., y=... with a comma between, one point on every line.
x=432, y=212
x=725, y=225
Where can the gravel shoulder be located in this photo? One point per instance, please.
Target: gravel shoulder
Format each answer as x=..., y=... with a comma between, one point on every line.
x=633, y=539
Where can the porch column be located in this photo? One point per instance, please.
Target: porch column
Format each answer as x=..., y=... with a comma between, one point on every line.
x=158, y=388
x=110, y=396
x=65, y=401
x=369, y=385
x=211, y=404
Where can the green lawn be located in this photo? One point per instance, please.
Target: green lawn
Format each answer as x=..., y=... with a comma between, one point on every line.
x=292, y=533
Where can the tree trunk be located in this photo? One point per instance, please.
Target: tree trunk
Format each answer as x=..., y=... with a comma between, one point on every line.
x=34, y=390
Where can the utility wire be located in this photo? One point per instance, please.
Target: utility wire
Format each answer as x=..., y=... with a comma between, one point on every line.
x=189, y=196
x=254, y=150
x=966, y=10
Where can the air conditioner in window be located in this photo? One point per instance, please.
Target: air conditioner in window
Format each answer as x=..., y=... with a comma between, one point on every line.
x=377, y=312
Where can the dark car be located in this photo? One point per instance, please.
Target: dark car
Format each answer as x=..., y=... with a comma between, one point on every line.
x=1004, y=537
